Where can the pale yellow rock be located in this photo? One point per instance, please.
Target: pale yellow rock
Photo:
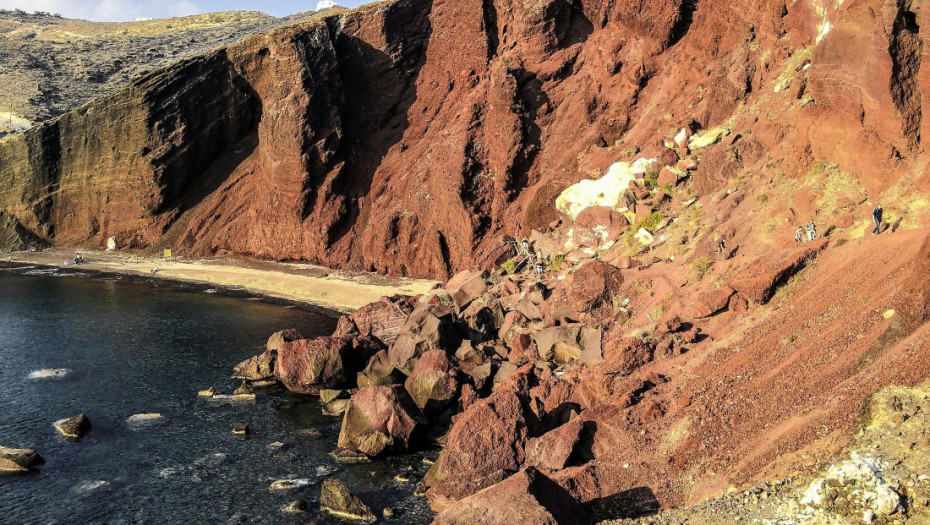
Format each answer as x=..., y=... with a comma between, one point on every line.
x=605, y=191
x=707, y=138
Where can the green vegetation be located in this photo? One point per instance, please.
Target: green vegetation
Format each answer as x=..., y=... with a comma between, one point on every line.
x=652, y=178
x=650, y=223
x=699, y=267
x=555, y=264
x=510, y=266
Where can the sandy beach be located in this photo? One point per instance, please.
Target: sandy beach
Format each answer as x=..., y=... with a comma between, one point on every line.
x=337, y=290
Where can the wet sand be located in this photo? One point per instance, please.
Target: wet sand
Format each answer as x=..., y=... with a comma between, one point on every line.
x=338, y=290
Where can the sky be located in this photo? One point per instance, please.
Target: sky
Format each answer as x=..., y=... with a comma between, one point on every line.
x=129, y=10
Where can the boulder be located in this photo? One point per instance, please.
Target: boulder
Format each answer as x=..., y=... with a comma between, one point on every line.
x=383, y=319
x=381, y=419
x=18, y=460
x=598, y=227
x=465, y=287
x=481, y=320
x=624, y=355
x=257, y=368
x=594, y=286
x=429, y=327
x=554, y=450
x=569, y=342
x=379, y=371
x=489, y=436
x=526, y=497
x=480, y=375
x=277, y=339
x=468, y=353
x=460, y=486
x=712, y=302
x=433, y=385
x=307, y=365
x=605, y=191
x=73, y=427
x=338, y=501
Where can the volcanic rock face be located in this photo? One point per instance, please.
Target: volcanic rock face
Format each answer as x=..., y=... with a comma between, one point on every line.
x=405, y=137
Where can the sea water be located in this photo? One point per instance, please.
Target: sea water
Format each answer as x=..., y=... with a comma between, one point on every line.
x=120, y=349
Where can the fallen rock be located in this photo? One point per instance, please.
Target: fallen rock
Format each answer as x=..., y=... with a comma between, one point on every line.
x=459, y=486
x=381, y=419
x=309, y=365
x=51, y=373
x=74, y=427
x=146, y=419
x=18, y=460
x=489, y=436
x=713, y=302
x=288, y=484
x=624, y=355
x=277, y=339
x=433, y=385
x=598, y=227
x=338, y=501
x=383, y=319
x=465, y=287
x=429, y=327
x=336, y=407
x=241, y=429
x=349, y=456
x=257, y=368
x=605, y=191
x=379, y=371
x=209, y=392
x=295, y=507
x=526, y=497
x=554, y=450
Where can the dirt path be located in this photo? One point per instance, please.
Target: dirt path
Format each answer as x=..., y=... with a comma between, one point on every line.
x=333, y=289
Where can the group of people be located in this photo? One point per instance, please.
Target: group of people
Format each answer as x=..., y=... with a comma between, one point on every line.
x=811, y=230
x=526, y=254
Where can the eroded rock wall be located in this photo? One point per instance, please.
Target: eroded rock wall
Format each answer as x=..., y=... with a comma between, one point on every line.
x=408, y=137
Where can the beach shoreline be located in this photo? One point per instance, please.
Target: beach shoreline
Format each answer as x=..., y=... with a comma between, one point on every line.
x=336, y=290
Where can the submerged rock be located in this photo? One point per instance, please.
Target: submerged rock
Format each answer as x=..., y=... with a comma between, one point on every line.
x=295, y=507
x=18, y=460
x=241, y=429
x=257, y=368
x=338, y=501
x=50, y=373
x=288, y=484
x=74, y=427
x=145, y=419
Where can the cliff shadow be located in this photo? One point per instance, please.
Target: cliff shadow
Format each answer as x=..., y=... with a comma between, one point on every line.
x=218, y=117
x=379, y=89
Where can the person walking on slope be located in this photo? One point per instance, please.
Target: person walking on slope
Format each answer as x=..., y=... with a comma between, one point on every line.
x=877, y=217
x=811, y=230
x=721, y=250
x=799, y=235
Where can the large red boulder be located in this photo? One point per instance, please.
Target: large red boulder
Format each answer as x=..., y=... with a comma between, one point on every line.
x=381, y=419
x=433, y=385
x=594, y=285
x=465, y=287
x=379, y=371
x=307, y=365
x=555, y=449
x=489, y=436
x=526, y=497
x=598, y=227
x=429, y=327
x=383, y=319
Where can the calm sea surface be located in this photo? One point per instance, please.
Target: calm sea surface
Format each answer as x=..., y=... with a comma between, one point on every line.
x=135, y=348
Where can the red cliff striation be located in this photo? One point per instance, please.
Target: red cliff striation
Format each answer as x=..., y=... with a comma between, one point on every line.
x=407, y=137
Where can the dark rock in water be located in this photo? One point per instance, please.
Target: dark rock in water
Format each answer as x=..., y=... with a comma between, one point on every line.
x=277, y=339
x=337, y=407
x=346, y=455
x=18, y=460
x=382, y=419
x=388, y=512
x=244, y=390
x=258, y=368
x=328, y=395
x=241, y=429
x=295, y=507
x=338, y=501
x=526, y=497
x=74, y=427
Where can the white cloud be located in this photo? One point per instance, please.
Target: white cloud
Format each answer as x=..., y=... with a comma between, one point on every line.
x=106, y=10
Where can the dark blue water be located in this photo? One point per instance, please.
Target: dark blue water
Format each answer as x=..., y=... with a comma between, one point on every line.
x=138, y=348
